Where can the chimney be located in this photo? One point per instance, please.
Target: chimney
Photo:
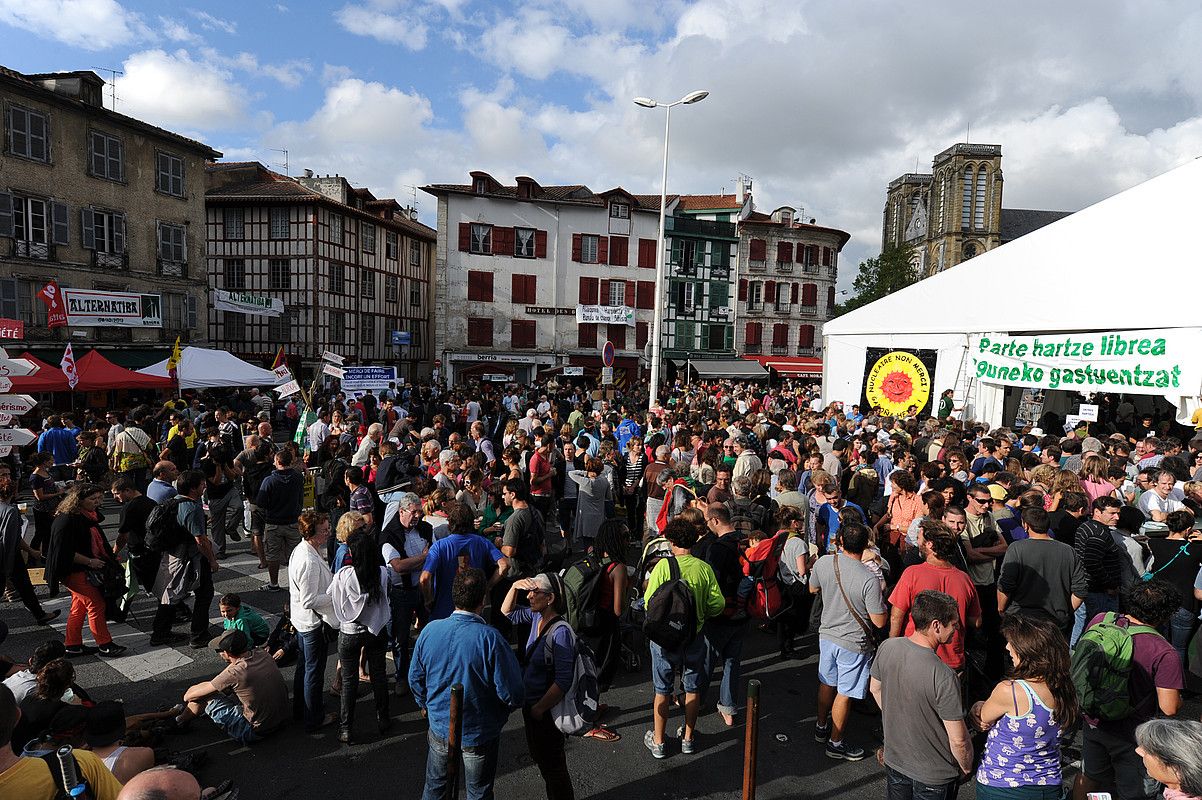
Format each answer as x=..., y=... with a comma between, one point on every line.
x=308, y=173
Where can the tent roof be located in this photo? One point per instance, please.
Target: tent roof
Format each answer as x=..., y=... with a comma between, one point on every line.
x=201, y=368
x=1074, y=274
x=96, y=373
x=732, y=368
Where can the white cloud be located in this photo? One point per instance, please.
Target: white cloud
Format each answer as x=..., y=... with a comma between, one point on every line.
x=86, y=24
x=178, y=32
x=176, y=91
x=404, y=29
x=212, y=23
x=288, y=73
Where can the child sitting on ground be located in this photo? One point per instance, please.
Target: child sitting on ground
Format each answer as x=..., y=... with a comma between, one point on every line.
x=243, y=618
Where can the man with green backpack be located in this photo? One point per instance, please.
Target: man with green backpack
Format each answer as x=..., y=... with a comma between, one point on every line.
x=1125, y=673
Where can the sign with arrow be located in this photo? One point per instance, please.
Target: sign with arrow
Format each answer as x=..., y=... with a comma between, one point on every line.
x=330, y=369
x=16, y=437
x=5, y=384
x=16, y=404
x=291, y=387
x=333, y=358
x=15, y=367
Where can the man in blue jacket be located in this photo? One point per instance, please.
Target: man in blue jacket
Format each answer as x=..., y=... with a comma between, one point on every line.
x=281, y=496
x=464, y=649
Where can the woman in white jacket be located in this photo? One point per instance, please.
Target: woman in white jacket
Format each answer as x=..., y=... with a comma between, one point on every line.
x=359, y=593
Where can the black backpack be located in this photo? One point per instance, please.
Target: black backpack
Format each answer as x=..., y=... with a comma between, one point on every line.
x=582, y=583
x=164, y=533
x=671, y=620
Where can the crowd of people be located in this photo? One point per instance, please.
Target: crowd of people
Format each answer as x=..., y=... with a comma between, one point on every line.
x=991, y=593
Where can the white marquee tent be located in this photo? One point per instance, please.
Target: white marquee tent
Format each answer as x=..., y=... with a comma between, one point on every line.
x=201, y=368
x=1128, y=262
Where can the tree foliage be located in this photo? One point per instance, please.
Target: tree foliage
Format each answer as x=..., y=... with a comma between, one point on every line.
x=879, y=277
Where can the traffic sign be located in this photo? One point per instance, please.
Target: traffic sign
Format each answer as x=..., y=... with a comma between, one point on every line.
x=18, y=437
x=607, y=376
x=16, y=404
x=402, y=337
x=607, y=354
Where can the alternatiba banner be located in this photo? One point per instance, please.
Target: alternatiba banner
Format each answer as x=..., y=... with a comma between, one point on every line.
x=1156, y=361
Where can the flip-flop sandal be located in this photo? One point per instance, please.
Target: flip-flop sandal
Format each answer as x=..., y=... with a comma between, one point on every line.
x=603, y=734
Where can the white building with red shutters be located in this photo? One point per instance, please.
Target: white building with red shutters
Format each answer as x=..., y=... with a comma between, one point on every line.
x=517, y=265
x=787, y=274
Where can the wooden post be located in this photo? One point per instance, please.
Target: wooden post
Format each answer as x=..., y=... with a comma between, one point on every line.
x=454, y=733
x=751, y=739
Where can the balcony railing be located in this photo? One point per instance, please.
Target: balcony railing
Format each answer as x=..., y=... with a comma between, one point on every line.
x=784, y=309
x=114, y=334
x=757, y=266
x=755, y=308
x=784, y=266
x=808, y=311
x=701, y=227
x=780, y=349
x=833, y=272
x=806, y=351
x=173, y=269
x=753, y=348
x=40, y=251
x=111, y=261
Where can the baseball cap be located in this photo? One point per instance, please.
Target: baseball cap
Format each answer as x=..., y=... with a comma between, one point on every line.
x=106, y=723
x=1091, y=444
x=232, y=641
x=997, y=492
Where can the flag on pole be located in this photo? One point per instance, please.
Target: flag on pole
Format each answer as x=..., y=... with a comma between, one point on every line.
x=68, y=366
x=173, y=360
x=279, y=358
x=56, y=314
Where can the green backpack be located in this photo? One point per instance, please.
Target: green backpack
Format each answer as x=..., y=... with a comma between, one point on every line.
x=1101, y=667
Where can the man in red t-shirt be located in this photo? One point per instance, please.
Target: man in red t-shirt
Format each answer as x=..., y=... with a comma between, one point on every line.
x=541, y=486
x=937, y=544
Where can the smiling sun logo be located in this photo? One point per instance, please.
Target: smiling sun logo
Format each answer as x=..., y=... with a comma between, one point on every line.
x=897, y=381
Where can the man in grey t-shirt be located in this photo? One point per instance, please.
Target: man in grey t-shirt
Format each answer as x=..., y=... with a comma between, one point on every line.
x=927, y=747
x=844, y=646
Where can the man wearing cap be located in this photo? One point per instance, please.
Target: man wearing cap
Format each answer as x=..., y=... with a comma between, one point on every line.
x=260, y=701
x=104, y=733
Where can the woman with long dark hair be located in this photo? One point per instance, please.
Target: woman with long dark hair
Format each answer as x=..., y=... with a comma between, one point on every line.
x=359, y=593
x=78, y=556
x=1028, y=715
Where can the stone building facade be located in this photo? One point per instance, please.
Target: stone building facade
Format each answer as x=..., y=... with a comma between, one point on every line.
x=100, y=201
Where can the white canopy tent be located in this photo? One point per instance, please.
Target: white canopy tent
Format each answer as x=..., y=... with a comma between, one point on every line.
x=1125, y=263
x=201, y=368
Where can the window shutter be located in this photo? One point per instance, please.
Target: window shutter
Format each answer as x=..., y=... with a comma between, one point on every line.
x=602, y=249
x=18, y=121
x=517, y=288
x=577, y=246
x=640, y=335
x=502, y=241
x=190, y=312
x=758, y=249
x=183, y=244
x=465, y=237
x=770, y=292
x=743, y=289
x=809, y=295
x=647, y=253
x=118, y=233
x=604, y=293
x=540, y=244
x=9, y=307
x=159, y=242
x=796, y=289
x=617, y=335
x=61, y=232
x=6, y=215
x=630, y=291
x=830, y=297
x=87, y=225
x=486, y=286
x=814, y=255
x=805, y=336
x=588, y=291
x=37, y=137
x=826, y=256
x=780, y=334
x=645, y=295
x=619, y=251
x=784, y=252
x=586, y=335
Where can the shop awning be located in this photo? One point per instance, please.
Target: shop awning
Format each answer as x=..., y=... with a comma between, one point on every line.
x=799, y=366
x=734, y=369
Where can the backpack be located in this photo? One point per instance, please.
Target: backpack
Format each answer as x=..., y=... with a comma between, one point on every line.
x=69, y=781
x=530, y=545
x=747, y=515
x=1101, y=667
x=164, y=533
x=576, y=712
x=582, y=583
x=767, y=601
x=671, y=620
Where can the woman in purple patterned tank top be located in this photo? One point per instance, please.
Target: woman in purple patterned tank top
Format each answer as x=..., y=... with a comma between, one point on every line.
x=1027, y=715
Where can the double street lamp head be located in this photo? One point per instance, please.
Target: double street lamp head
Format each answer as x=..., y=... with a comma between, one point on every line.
x=688, y=99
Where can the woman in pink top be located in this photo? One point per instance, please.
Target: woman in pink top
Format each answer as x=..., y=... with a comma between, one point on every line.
x=1093, y=477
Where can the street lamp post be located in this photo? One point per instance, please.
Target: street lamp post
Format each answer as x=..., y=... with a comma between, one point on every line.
x=657, y=326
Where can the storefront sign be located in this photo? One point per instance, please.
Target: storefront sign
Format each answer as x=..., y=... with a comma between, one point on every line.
x=573, y=372
x=108, y=309
x=549, y=311
x=501, y=358
x=364, y=378
x=898, y=381
x=605, y=315
x=258, y=305
x=1158, y=361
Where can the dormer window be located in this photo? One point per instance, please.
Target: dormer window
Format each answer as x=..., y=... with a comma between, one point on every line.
x=480, y=186
x=619, y=210
x=786, y=217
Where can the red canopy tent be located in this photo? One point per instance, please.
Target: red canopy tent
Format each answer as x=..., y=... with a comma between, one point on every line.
x=96, y=373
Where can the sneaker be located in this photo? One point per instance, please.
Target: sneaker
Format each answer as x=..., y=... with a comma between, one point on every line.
x=79, y=650
x=845, y=751
x=686, y=745
x=274, y=587
x=49, y=616
x=657, y=750
x=111, y=649
x=822, y=732
x=199, y=642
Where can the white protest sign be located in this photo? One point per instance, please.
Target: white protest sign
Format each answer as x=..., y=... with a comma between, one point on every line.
x=1088, y=412
x=333, y=358
x=282, y=372
x=5, y=419
x=5, y=384
x=17, y=367
x=18, y=437
x=16, y=404
x=330, y=369
x=291, y=387
x=5, y=450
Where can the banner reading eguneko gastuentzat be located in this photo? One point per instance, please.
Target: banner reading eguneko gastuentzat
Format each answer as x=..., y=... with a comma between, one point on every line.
x=1164, y=361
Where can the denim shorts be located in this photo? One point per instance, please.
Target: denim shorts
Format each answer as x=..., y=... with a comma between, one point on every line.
x=227, y=714
x=846, y=670
x=690, y=663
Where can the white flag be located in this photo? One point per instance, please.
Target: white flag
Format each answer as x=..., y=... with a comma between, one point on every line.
x=68, y=366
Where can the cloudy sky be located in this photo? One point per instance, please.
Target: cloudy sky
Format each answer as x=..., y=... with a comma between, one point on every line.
x=821, y=103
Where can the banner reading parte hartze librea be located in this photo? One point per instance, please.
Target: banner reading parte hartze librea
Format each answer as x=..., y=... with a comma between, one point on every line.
x=1163, y=361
